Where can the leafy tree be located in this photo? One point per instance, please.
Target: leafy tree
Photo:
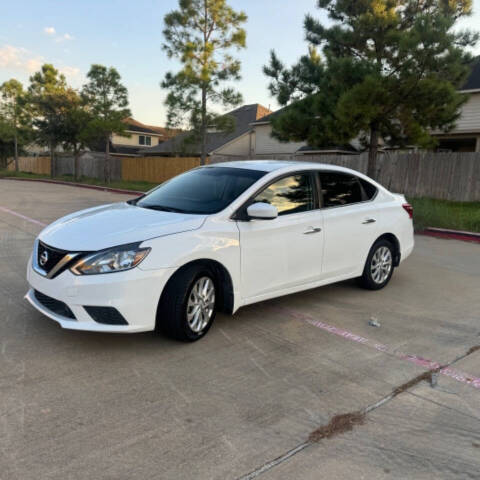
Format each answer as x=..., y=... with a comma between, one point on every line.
x=7, y=147
x=75, y=126
x=200, y=34
x=15, y=114
x=46, y=92
x=107, y=99
x=390, y=72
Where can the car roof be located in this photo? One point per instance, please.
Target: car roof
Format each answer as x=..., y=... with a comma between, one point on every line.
x=285, y=165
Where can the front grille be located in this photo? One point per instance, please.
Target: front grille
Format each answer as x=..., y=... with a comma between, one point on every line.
x=55, y=306
x=54, y=255
x=106, y=315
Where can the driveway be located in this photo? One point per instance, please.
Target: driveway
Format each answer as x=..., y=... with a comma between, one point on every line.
x=256, y=397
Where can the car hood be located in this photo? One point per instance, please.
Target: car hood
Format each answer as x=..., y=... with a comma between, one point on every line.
x=116, y=224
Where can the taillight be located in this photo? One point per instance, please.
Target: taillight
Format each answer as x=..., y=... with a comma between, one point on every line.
x=409, y=209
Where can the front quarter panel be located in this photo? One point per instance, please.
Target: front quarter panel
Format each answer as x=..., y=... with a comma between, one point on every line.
x=218, y=239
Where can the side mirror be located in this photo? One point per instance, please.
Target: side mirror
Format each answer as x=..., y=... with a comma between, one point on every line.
x=262, y=211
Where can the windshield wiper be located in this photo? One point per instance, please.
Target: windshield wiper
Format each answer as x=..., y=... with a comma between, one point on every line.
x=162, y=208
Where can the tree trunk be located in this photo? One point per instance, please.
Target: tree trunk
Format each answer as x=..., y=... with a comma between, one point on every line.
x=15, y=139
x=76, y=159
x=106, y=166
x=203, y=159
x=52, y=160
x=372, y=153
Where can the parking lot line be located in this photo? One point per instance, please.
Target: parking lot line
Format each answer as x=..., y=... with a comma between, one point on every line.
x=416, y=359
x=24, y=217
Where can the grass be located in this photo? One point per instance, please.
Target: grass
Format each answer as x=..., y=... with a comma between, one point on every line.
x=127, y=185
x=428, y=212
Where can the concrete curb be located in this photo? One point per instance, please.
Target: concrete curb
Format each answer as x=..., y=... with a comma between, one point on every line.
x=73, y=184
x=452, y=234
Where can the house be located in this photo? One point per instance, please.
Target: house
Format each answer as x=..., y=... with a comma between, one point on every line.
x=266, y=146
x=220, y=145
x=140, y=137
x=465, y=136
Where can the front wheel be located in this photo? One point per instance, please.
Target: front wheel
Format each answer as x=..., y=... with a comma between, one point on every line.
x=188, y=304
x=378, y=268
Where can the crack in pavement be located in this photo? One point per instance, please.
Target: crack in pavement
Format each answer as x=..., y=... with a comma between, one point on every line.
x=345, y=422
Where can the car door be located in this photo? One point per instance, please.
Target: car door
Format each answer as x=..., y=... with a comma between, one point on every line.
x=350, y=223
x=285, y=252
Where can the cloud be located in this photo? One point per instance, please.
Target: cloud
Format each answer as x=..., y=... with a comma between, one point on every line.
x=70, y=71
x=64, y=38
x=17, y=58
x=22, y=60
x=51, y=32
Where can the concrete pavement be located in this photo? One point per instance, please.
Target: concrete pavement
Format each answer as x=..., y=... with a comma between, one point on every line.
x=76, y=405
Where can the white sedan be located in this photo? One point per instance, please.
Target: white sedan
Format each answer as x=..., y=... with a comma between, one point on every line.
x=214, y=239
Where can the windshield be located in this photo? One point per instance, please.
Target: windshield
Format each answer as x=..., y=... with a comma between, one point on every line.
x=202, y=191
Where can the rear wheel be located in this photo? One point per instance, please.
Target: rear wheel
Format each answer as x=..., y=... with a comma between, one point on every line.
x=379, y=266
x=188, y=304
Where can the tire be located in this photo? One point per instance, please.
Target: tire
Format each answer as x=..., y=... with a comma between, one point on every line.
x=376, y=276
x=183, y=301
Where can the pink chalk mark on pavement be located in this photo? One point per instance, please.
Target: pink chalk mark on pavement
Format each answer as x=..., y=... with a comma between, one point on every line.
x=23, y=217
x=417, y=360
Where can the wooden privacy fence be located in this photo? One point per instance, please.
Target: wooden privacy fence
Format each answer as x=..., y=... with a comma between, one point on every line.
x=156, y=169
x=91, y=165
x=448, y=176
x=40, y=165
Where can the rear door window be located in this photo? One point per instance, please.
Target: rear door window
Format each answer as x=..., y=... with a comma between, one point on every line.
x=369, y=189
x=340, y=189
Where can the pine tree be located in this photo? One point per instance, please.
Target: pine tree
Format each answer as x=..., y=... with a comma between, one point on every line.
x=390, y=71
x=200, y=34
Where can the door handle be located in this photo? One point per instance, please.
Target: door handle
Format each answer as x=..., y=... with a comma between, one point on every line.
x=369, y=220
x=312, y=230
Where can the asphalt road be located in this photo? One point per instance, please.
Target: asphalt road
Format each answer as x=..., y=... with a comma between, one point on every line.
x=246, y=398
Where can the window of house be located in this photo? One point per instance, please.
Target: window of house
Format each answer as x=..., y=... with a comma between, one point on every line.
x=144, y=140
x=340, y=189
x=290, y=194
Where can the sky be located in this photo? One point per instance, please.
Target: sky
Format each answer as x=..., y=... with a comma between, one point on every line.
x=127, y=35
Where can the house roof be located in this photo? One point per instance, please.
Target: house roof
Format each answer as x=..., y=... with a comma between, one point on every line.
x=136, y=126
x=268, y=118
x=123, y=149
x=244, y=116
x=348, y=149
x=473, y=82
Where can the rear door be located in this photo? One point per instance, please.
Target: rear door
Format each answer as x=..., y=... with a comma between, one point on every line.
x=351, y=222
x=286, y=252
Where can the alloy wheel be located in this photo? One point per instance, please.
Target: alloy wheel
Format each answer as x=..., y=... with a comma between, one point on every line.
x=201, y=304
x=381, y=265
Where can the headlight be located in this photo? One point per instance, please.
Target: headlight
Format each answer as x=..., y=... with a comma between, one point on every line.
x=116, y=259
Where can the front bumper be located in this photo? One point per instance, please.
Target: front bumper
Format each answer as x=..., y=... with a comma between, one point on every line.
x=134, y=293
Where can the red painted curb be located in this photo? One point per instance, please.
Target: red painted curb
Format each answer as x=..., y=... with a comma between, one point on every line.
x=471, y=237
x=73, y=184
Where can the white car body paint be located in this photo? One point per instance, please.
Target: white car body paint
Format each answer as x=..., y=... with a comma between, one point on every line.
x=115, y=224
x=264, y=258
